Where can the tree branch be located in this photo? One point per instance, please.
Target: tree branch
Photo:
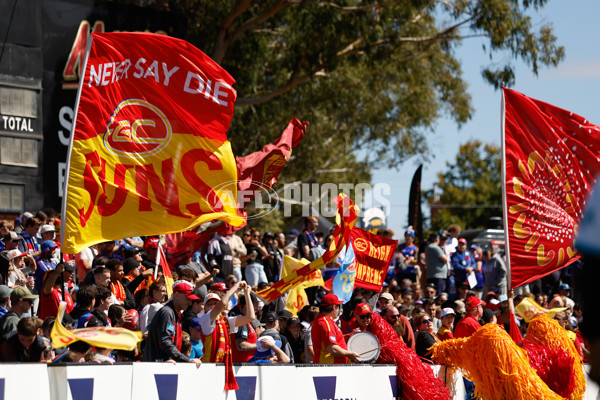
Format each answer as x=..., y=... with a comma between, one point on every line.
x=257, y=20
x=353, y=48
x=355, y=8
x=292, y=83
x=222, y=42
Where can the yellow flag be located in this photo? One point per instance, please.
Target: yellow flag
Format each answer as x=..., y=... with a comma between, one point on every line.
x=109, y=338
x=296, y=300
x=529, y=309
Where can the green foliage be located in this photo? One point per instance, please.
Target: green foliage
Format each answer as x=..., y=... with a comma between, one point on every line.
x=471, y=190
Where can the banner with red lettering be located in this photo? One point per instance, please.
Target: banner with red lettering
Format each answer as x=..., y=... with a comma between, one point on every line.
x=373, y=254
x=551, y=160
x=149, y=151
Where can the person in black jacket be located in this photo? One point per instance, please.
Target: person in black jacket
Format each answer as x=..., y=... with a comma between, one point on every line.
x=82, y=313
x=165, y=332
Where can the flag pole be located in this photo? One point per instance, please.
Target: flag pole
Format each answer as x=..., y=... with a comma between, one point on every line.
x=156, y=262
x=63, y=213
x=503, y=177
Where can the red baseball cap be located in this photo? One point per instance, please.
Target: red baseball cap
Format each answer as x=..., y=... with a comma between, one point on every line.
x=462, y=240
x=330, y=300
x=219, y=286
x=151, y=243
x=186, y=288
x=493, y=304
x=362, y=309
x=473, y=302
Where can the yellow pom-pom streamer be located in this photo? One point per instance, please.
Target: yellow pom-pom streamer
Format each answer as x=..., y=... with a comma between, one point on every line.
x=498, y=367
x=548, y=332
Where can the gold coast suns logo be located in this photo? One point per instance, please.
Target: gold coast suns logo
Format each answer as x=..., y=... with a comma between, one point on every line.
x=137, y=129
x=360, y=245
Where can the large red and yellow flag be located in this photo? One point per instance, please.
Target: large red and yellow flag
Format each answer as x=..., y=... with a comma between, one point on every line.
x=551, y=160
x=345, y=218
x=149, y=151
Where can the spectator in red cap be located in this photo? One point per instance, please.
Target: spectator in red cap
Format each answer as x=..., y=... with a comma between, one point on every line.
x=363, y=315
x=328, y=341
x=470, y=323
x=150, y=248
x=165, y=332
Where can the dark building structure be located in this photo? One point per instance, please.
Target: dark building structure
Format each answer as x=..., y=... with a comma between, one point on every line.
x=43, y=50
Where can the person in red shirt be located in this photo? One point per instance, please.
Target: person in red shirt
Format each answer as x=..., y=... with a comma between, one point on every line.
x=52, y=293
x=470, y=323
x=328, y=341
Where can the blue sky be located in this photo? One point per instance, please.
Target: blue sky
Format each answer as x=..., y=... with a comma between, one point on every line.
x=574, y=85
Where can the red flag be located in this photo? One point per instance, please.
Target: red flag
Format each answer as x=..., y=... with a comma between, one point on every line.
x=261, y=168
x=179, y=247
x=161, y=262
x=373, y=255
x=551, y=159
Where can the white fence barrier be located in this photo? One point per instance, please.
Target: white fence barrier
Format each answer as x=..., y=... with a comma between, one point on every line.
x=161, y=381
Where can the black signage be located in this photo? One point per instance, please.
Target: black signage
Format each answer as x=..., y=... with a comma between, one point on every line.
x=66, y=26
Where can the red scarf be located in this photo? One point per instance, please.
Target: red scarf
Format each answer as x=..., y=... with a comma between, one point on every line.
x=220, y=351
x=118, y=290
x=178, y=335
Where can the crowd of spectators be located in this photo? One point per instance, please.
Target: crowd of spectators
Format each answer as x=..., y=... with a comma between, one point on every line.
x=447, y=290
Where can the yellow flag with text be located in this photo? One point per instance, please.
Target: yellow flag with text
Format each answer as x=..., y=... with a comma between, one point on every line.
x=106, y=337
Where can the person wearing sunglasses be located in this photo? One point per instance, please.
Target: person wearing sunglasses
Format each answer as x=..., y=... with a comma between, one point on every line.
x=363, y=315
x=425, y=336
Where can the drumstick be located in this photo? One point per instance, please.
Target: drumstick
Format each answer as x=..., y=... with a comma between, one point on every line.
x=376, y=348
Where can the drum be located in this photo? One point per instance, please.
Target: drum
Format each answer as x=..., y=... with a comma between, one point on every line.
x=366, y=345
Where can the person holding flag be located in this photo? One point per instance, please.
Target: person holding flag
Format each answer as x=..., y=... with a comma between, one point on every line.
x=217, y=329
x=343, y=283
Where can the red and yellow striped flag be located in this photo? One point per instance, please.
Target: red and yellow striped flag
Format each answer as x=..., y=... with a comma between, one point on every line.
x=346, y=215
